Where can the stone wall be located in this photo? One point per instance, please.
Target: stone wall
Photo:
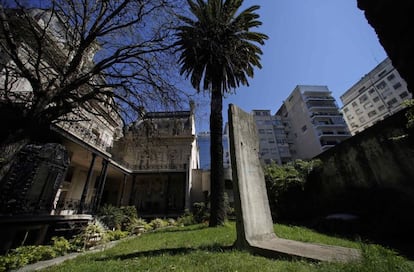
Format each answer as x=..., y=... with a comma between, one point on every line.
x=370, y=175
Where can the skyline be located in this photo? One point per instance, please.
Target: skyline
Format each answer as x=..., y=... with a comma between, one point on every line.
x=318, y=42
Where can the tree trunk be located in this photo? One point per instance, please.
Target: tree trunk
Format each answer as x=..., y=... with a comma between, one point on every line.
x=217, y=212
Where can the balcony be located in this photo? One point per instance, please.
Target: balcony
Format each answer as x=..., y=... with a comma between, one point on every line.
x=319, y=98
x=334, y=134
x=321, y=105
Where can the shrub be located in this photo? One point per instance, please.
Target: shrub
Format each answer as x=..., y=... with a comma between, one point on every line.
x=111, y=216
x=24, y=255
x=113, y=235
x=61, y=245
x=186, y=220
x=92, y=235
x=158, y=223
x=284, y=179
x=137, y=226
x=200, y=212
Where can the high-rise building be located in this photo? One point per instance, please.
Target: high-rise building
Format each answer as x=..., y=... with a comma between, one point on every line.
x=375, y=96
x=273, y=144
x=313, y=121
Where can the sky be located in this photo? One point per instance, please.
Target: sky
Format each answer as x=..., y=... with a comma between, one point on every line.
x=311, y=42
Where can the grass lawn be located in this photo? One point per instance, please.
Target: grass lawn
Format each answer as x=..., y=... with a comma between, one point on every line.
x=198, y=248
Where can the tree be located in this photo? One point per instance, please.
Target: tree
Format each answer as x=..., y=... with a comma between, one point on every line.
x=218, y=53
x=59, y=56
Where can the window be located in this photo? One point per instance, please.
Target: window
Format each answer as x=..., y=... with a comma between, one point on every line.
x=304, y=128
x=375, y=99
x=392, y=101
x=371, y=91
x=359, y=111
x=381, y=85
x=382, y=73
x=363, y=98
x=354, y=104
x=381, y=108
x=261, y=131
x=346, y=110
x=269, y=131
x=368, y=105
x=362, y=119
x=390, y=77
x=350, y=117
x=403, y=95
x=372, y=113
x=397, y=86
x=271, y=141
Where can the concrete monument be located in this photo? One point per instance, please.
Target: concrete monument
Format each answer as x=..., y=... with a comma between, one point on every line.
x=254, y=221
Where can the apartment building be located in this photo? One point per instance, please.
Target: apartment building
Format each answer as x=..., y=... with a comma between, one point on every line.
x=375, y=96
x=273, y=144
x=313, y=121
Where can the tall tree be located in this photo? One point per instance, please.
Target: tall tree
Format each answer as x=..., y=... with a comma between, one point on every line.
x=57, y=56
x=218, y=52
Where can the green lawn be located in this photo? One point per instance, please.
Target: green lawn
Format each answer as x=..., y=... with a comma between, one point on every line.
x=198, y=248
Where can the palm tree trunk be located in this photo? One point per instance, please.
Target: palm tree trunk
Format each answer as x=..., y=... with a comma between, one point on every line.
x=217, y=212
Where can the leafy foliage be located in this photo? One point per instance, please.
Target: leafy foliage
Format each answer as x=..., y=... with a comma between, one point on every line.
x=410, y=112
x=281, y=179
x=118, y=217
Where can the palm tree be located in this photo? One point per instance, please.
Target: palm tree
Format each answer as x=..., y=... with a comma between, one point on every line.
x=218, y=53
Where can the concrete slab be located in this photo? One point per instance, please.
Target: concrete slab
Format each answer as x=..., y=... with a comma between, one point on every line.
x=253, y=218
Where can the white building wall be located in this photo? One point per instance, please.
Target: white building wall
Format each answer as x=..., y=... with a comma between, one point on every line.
x=375, y=96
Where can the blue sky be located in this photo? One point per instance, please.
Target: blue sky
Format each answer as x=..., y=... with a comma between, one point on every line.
x=311, y=42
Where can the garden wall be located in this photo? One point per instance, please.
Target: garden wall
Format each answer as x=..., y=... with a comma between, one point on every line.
x=370, y=175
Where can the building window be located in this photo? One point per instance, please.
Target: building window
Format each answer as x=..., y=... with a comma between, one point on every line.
x=354, y=104
x=271, y=141
x=346, y=110
x=261, y=131
x=372, y=113
x=350, y=117
x=304, y=128
x=397, y=86
x=368, y=105
x=362, y=119
x=403, y=95
x=371, y=91
x=390, y=77
x=382, y=73
x=359, y=111
x=381, y=108
x=392, y=101
x=375, y=99
x=363, y=98
x=381, y=85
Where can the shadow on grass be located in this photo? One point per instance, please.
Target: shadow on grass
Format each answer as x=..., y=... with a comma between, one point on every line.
x=169, y=251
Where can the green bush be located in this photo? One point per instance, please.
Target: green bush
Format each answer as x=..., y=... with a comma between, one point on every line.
x=24, y=255
x=117, y=218
x=111, y=216
x=113, y=235
x=61, y=245
x=137, y=226
x=186, y=220
x=158, y=223
x=94, y=234
x=282, y=180
x=200, y=212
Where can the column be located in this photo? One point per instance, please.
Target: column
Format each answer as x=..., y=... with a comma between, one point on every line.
x=85, y=188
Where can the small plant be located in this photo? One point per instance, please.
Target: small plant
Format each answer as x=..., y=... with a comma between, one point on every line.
x=61, y=245
x=94, y=234
x=113, y=235
x=158, y=223
x=186, y=219
x=24, y=255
